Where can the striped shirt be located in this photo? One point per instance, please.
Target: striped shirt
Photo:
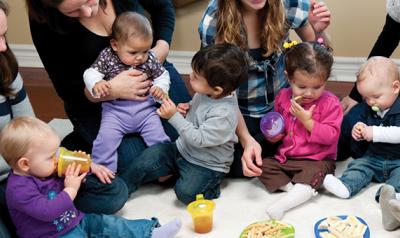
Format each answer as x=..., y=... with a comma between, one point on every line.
x=12, y=107
x=266, y=77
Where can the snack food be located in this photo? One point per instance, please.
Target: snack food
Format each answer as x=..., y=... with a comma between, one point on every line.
x=342, y=227
x=268, y=229
x=360, y=126
x=298, y=98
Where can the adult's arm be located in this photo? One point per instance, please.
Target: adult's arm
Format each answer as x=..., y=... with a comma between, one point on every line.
x=162, y=14
x=58, y=55
x=387, y=42
x=251, y=158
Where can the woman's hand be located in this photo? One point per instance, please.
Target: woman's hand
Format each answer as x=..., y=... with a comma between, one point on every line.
x=130, y=85
x=319, y=16
x=104, y=174
x=347, y=104
x=251, y=158
x=161, y=50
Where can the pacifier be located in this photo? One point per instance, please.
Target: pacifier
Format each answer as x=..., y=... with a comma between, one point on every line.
x=375, y=108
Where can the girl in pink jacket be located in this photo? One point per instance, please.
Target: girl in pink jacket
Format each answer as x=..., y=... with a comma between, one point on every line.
x=312, y=119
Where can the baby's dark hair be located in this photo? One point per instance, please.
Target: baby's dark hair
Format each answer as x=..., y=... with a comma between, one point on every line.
x=131, y=24
x=311, y=57
x=224, y=65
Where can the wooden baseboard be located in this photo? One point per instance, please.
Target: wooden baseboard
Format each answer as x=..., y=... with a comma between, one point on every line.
x=47, y=105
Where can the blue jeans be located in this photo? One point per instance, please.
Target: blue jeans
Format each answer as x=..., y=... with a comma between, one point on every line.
x=191, y=179
x=96, y=197
x=85, y=132
x=347, y=146
x=108, y=226
x=362, y=171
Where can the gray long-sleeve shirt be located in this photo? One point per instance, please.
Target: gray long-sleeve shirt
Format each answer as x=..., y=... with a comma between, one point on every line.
x=207, y=134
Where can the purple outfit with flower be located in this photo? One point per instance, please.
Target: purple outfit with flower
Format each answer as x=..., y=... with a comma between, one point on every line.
x=40, y=208
x=121, y=117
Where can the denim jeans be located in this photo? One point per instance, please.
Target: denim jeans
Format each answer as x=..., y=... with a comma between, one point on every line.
x=191, y=179
x=362, y=171
x=347, y=146
x=268, y=149
x=99, y=198
x=108, y=226
x=7, y=228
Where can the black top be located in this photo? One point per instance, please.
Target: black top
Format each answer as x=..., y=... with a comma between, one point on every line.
x=66, y=54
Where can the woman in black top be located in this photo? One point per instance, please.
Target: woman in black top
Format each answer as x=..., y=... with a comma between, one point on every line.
x=69, y=35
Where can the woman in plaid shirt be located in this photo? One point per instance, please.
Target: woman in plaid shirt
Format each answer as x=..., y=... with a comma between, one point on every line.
x=260, y=27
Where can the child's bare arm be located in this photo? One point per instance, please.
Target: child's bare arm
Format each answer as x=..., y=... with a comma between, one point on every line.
x=73, y=180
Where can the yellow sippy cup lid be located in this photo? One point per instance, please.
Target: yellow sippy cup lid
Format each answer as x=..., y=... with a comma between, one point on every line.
x=201, y=205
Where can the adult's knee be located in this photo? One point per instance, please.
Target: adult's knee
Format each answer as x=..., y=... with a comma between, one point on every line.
x=96, y=197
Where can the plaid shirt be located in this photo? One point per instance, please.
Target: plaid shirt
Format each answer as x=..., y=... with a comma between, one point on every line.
x=266, y=77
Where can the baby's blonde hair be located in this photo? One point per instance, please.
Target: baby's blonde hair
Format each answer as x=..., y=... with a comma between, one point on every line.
x=17, y=137
x=378, y=68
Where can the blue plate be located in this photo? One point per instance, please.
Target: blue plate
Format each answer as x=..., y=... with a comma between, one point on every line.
x=317, y=231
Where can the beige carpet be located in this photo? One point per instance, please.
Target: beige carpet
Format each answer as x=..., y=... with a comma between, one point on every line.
x=243, y=201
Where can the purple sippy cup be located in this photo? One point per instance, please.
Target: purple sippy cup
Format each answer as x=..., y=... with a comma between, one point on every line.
x=272, y=124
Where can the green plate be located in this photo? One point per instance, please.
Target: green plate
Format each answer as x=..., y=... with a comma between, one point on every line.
x=287, y=230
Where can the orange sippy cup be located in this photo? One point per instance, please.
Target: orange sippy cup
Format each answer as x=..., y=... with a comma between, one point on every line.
x=64, y=157
x=202, y=214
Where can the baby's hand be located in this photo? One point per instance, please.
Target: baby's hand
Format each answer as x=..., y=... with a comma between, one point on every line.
x=183, y=108
x=104, y=174
x=276, y=138
x=367, y=133
x=157, y=93
x=102, y=89
x=167, y=109
x=73, y=180
x=300, y=113
x=358, y=130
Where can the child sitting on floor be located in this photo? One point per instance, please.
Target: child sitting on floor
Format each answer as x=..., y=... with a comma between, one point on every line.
x=130, y=42
x=379, y=131
x=41, y=204
x=312, y=119
x=203, y=153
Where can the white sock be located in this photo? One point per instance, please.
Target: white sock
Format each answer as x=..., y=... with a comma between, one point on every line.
x=389, y=221
x=397, y=196
x=299, y=194
x=168, y=230
x=335, y=186
x=287, y=187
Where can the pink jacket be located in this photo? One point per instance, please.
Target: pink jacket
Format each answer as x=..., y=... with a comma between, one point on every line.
x=321, y=143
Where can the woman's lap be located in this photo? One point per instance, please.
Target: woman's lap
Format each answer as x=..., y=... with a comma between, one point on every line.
x=85, y=132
